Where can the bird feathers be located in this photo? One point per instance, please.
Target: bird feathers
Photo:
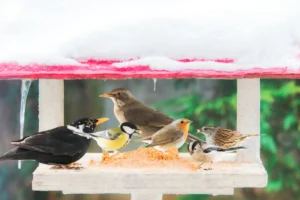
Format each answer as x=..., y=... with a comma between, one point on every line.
x=142, y=115
x=58, y=141
x=110, y=134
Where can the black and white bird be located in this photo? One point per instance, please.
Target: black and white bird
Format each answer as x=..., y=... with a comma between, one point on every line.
x=203, y=152
x=58, y=146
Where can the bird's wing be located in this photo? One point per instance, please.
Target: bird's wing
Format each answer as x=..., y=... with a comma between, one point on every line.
x=210, y=149
x=58, y=141
x=143, y=115
x=110, y=134
x=219, y=149
x=229, y=134
x=166, y=135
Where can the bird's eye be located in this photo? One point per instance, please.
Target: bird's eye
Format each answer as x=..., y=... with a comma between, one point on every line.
x=90, y=123
x=119, y=93
x=181, y=122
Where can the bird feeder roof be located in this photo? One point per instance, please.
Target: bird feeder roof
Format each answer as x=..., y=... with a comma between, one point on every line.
x=149, y=39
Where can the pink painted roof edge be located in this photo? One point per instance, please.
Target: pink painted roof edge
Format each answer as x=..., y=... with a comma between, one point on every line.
x=103, y=69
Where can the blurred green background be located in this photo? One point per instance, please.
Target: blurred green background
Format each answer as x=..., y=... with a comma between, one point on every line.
x=205, y=102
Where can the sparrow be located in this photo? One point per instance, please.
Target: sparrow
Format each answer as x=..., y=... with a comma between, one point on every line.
x=114, y=138
x=224, y=138
x=169, y=137
x=58, y=146
x=128, y=108
x=200, y=151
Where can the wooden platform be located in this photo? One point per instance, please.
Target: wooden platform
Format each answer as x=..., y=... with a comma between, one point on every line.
x=222, y=179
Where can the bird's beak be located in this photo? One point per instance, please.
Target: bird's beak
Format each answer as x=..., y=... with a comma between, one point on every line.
x=107, y=95
x=101, y=120
x=138, y=131
x=199, y=131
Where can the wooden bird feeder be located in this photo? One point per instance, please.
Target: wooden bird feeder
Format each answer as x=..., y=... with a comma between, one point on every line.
x=113, y=58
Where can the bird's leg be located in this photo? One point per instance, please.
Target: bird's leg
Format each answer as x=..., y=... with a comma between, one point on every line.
x=199, y=166
x=209, y=168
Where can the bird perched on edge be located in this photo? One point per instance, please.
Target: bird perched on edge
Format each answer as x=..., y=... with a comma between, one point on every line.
x=58, y=146
x=171, y=136
x=114, y=138
x=128, y=108
x=202, y=152
x=224, y=138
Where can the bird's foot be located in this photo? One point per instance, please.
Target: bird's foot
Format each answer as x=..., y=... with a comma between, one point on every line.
x=209, y=168
x=58, y=167
x=75, y=166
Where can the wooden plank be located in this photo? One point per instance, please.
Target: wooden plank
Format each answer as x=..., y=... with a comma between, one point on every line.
x=248, y=118
x=105, y=70
x=221, y=180
x=51, y=104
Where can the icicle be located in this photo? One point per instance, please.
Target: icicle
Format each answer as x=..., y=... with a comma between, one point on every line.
x=154, y=84
x=24, y=92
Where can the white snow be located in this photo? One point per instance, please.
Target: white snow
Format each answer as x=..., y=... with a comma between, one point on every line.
x=157, y=63
x=253, y=33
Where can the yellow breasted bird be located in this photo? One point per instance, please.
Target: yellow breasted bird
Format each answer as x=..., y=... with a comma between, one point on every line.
x=114, y=138
x=128, y=108
x=171, y=136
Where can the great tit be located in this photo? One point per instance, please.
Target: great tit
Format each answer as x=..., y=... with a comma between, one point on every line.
x=114, y=138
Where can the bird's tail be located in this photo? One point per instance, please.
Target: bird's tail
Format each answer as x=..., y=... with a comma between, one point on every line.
x=250, y=135
x=232, y=149
x=16, y=154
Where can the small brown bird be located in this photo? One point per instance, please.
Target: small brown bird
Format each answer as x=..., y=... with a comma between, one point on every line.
x=128, y=109
x=224, y=138
x=171, y=136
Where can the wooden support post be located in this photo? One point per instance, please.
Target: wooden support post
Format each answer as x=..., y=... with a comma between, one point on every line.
x=248, y=118
x=51, y=104
x=146, y=196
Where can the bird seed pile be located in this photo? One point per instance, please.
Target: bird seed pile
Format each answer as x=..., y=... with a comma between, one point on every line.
x=146, y=158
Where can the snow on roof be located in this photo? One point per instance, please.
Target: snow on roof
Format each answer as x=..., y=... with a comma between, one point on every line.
x=260, y=38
